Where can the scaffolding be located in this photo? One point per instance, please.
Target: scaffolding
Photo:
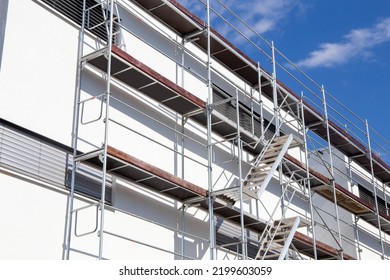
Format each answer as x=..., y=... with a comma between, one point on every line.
x=260, y=118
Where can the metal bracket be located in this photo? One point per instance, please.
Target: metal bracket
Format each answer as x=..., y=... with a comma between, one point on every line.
x=101, y=157
x=184, y=120
x=83, y=64
x=210, y=108
x=106, y=54
x=77, y=165
x=194, y=200
x=192, y=36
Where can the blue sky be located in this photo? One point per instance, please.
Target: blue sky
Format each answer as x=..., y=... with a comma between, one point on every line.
x=343, y=45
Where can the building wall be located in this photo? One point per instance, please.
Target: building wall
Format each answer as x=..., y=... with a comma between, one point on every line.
x=38, y=80
x=38, y=69
x=33, y=219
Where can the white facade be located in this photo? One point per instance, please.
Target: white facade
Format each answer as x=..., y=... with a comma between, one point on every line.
x=143, y=220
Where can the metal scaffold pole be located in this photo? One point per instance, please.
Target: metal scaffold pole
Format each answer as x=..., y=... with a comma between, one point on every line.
x=75, y=127
x=356, y=217
x=209, y=139
x=374, y=188
x=277, y=129
x=357, y=237
x=260, y=74
x=275, y=91
x=332, y=172
x=308, y=180
x=106, y=125
x=385, y=195
x=240, y=181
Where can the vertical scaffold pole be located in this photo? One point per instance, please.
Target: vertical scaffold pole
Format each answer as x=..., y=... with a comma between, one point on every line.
x=385, y=195
x=374, y=187
x=387, y=212
x=308, y=178
x=275, y=91
x=260, y=74
x=332, y=171
x=240, y=181
x=350, y=174
x=75, y=129
x=209, y=139
x=106, y=126
x=358, y=238
x=356, y=217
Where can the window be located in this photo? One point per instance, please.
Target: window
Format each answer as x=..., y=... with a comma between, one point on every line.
x=369, y=197
x=228, y=109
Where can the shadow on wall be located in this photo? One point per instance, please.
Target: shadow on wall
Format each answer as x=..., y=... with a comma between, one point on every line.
x=369, y=240
x=164, y=211
x=94, y=85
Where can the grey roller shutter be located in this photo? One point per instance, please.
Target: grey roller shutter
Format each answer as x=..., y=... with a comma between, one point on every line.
x=40, y=159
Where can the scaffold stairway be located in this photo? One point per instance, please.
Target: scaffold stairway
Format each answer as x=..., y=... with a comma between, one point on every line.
x=278, y=238
x=263, y=168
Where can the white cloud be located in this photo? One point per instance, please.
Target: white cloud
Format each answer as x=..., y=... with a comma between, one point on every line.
x=262, y=15
x=192, y=5
x=266, y=14
x=358, y=42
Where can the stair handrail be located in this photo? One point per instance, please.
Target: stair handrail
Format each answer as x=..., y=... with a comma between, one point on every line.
x=270, y=223
x=269, y=125
x=273, y=234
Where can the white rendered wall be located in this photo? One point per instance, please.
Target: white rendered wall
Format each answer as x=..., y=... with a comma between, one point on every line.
x=38, y=71
x=38, y=77
x=34, y=225
x=33, y=219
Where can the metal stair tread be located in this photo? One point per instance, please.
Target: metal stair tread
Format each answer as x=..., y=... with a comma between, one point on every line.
x=266, y=161
x=257, y=173
x=274, y=241
x=279, y=233
x=288, y=222
x=274, y=148
x=271, y=153
x=255, y=179
x=271, y=256
x=234, y=194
